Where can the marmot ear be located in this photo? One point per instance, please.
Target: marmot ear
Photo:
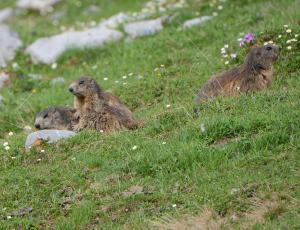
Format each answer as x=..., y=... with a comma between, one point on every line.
x=254, y=46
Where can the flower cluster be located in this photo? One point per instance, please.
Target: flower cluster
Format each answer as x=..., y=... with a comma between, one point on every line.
x=227, y=54
x=248, y=38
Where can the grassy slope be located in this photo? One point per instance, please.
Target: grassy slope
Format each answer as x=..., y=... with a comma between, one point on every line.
x=188, y=170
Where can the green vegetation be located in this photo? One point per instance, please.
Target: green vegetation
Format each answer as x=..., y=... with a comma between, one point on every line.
x=249, y=148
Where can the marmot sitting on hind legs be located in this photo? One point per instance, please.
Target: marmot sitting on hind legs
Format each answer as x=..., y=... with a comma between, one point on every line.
x=253, y=75
x=99, y=110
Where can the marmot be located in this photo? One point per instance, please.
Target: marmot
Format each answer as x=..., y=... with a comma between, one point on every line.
x=99, y=110
x=253, y=75
x=62, y=118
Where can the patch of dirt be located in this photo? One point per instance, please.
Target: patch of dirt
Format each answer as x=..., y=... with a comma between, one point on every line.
x=222, y=142
x=207, y=220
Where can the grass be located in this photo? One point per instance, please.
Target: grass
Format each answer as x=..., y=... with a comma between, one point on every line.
x=258, y=164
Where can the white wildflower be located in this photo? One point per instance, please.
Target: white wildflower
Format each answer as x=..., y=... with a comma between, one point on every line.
x=38, y=160
x=134, y=147
x=116, y=82
x=174, y=205
x=8, y=217
x=215, y=14
x=54, y=65
x=13, y=158
x=42, y=151
x=164, y=143
x=7, y=148
x=10, y=134
x=168, y=106
x=220, y=7
x=156, y=69
x=15, y=65
x=288, y=41
x=105, y=79
x=202, y=128
x=124, y=77
x=289, y=47
x=288, y=31
x=27, y=127
x=296, y=35
x=239, y=39
x=130, y=74
x=5, y=144
x=226, y=46
x=227, y=62
x=233, y=55
x=286, y=26
x=279, y=36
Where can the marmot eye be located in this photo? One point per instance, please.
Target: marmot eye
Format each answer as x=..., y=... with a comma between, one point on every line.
x=269, y=48
x=46, y=115
x=81, y=82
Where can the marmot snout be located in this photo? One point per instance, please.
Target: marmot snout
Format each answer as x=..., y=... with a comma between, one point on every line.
x=253, y=75
x=61, y=118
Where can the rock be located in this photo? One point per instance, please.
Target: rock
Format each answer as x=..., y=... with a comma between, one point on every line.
x=196, y=21
x=58, y=81
x=51, y=136
x=4, y=78
x=22, y=211
x=9, y=43
x=47, y=50
x=144, y=28
x=40, y=5
x=92, y=9
x=5, y=14
x=56, y=16
x=115, y=20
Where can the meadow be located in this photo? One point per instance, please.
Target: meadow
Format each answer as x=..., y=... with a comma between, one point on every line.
x=236, y=157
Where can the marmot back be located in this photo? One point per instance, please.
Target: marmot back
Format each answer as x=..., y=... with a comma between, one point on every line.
x=253, y=75
x=94, y=110
x=62, y=118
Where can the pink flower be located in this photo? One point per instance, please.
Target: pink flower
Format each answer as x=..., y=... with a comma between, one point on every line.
x=247, y=39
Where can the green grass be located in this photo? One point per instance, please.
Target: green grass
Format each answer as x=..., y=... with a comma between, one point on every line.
x=189, y=170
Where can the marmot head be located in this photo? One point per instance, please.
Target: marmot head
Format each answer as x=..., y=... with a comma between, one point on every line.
x=84, y=87
x=262, y=57
x=54, y=118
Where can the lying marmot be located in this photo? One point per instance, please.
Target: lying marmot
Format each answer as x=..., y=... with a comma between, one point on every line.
x=93, y=108
x=62, y=118
x=255, y=74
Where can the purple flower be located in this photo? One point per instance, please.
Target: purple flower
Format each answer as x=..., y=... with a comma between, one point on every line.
x=247, y=39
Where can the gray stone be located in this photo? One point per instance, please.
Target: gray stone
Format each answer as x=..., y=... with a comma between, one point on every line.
x=58, y=81
x=196, y=21
x=51, y=136
x=5, y=14
x=9, y=43
x=40, y=5
x=144, y=28
x=48, y=50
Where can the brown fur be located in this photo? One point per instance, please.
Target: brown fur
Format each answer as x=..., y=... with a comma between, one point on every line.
x=254, y=74
x=62, y=118
x=99, y=110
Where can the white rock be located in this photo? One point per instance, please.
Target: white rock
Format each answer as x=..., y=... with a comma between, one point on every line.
x=115, y=20
x=144, y=28
x=40, y=5
x=58, y=81
x=50, y=136
x=3, y=79
x=47, y=50
x=9, y=43
x=196, y=21
x=5, y=14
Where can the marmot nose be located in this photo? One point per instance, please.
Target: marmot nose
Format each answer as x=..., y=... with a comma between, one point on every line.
x=71, y=89
x=38, y=126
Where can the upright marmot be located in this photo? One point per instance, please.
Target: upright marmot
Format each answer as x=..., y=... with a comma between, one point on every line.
x=62, y=118
x=99, y=110
x=253, y=75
